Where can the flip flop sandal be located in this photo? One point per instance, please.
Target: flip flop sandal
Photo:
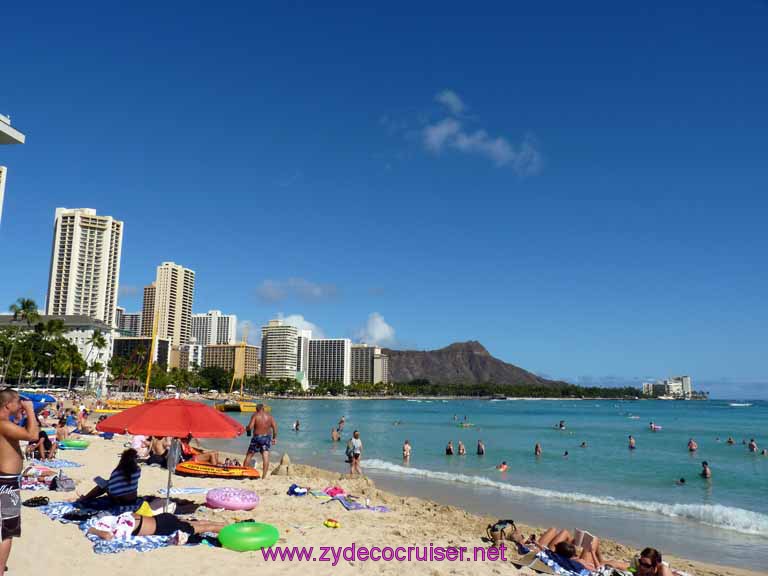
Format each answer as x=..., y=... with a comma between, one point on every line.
x=36, y=501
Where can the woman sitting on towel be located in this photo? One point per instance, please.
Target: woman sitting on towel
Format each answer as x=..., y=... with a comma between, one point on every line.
x=123, y=484
x=130, y=524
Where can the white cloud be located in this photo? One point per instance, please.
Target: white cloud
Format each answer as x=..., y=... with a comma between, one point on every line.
x=437, y=135
x=278, y=290
x=376, y=331
x=524, y=157
x=451, y=100
x=302, y=324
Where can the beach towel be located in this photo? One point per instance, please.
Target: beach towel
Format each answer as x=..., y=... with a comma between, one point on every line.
x=177, y=491
x=334, y=491
x=319, y=494
x=56, y=463
x=559, y=570
x=57, y=510
x=354, y=506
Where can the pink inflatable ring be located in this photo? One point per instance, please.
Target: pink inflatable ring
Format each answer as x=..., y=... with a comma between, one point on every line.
x=232, y=499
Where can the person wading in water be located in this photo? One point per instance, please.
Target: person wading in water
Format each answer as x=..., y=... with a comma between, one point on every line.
x=264, y=430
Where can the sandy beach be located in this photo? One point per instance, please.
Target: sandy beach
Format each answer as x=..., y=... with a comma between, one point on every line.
x=52, y=546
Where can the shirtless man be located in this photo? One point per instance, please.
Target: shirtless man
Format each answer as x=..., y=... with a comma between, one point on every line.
x=11, y=464
x=264, y=430
x=406, y=452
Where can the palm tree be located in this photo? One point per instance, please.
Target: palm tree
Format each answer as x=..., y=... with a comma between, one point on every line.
x=23, y=310
x=96, y=340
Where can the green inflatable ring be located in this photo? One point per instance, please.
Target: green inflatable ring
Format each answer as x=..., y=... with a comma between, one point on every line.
x=75, y=444
x=245, y=536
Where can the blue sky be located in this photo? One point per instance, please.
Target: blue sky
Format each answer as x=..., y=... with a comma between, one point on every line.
x=579, y=186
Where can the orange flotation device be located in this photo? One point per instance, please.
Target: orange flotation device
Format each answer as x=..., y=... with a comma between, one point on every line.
x=200, y=469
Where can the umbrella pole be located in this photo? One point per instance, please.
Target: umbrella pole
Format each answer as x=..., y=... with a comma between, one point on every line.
x=171, y=462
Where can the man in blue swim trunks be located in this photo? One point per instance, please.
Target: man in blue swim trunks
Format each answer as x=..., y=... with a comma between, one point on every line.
x=264, y=429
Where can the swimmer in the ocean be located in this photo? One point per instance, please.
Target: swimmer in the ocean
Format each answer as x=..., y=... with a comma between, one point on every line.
x=502, y=467
x=680, y=482
x=462, y=449
x=583, y=445
x=449, y=449
x=480, y=448
x=706, y=471
x=692, y=446
x=632, y=444
x=537, y=449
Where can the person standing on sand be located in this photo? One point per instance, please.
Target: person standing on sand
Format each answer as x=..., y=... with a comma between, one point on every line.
x=11, y=462
x=264, y=429
x=537, y=449
x=406, y=452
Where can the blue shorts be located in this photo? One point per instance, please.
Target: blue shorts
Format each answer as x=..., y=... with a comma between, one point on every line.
x=260, y=443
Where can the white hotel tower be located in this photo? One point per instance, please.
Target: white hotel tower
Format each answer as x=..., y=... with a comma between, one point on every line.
x=85, y=265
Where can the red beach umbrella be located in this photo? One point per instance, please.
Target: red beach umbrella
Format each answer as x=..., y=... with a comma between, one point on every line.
x=175, y=418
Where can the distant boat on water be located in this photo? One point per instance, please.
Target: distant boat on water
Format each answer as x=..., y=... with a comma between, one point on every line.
x=740, y=404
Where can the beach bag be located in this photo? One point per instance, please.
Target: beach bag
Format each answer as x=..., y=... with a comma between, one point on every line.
x=502, y=530
x=62, y=483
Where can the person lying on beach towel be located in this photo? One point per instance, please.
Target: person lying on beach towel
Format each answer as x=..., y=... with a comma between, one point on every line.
x=196, y=453
x=560, y=547
x=130, y=524
x=123, y=484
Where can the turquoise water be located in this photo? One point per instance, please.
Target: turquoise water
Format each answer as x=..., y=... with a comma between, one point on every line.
x=630, y=495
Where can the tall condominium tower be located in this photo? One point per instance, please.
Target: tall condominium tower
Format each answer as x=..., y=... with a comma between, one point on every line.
x=330, y=360
x=148, y=310
x=85, y=265
x=302, y=358
x=213, y=327
x=130, y=323
x=8, y=135
x=174, y=290
x=369, y=365
x=279, y=347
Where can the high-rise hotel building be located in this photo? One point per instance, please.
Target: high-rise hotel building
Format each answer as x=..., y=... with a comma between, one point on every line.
x=85, y=265
x=330, y=360
x=213, y=327
x=369, y=365
x=148, y=310
x=170, y=299
x=279, y=350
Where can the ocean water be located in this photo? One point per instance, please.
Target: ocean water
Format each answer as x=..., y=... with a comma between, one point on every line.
x=605, y=487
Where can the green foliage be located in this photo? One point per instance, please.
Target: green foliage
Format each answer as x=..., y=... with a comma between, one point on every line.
x=427, y=388
x=32, y=349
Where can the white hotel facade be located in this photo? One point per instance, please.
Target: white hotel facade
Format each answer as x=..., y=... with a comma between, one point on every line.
x=85, y=265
